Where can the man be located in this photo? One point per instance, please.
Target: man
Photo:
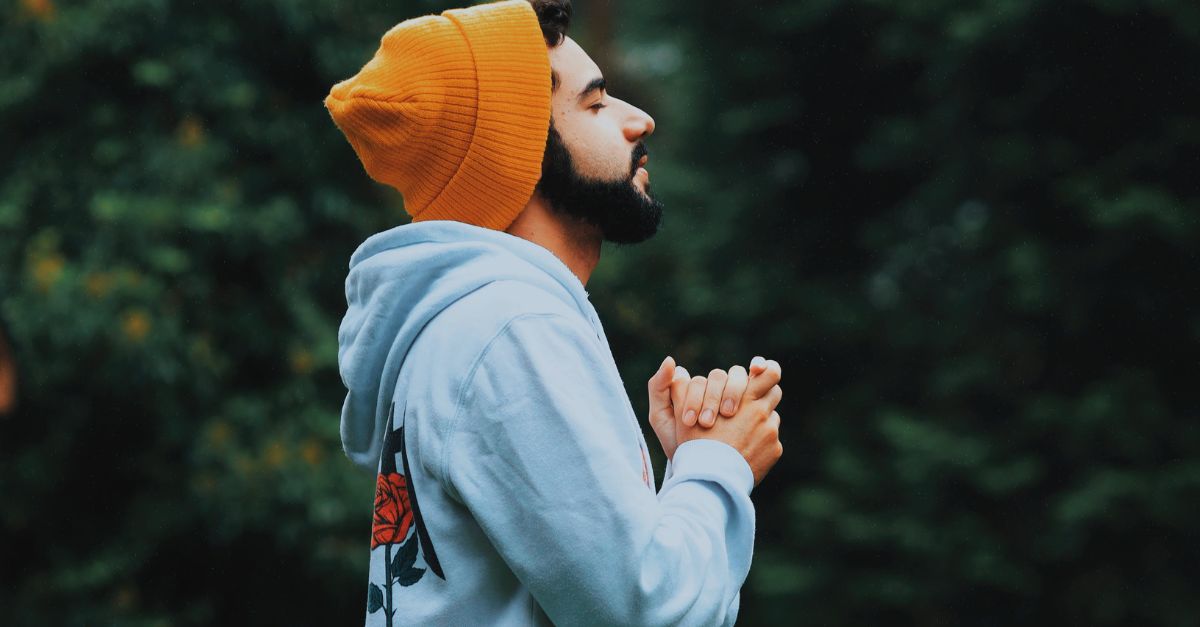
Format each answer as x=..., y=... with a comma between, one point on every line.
x=513, y=482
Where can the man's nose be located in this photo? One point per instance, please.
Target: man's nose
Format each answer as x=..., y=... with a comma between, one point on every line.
x=638, y=124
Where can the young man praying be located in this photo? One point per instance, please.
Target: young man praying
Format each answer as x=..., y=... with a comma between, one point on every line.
x=513, y=482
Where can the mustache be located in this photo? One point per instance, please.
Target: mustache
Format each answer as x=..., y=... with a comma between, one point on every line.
x=639, y=151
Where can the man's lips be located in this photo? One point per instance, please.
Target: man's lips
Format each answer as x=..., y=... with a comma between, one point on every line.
x=639, y=167
x=640, y=158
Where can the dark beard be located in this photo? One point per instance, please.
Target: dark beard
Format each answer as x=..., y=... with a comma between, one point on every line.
x=623, y=214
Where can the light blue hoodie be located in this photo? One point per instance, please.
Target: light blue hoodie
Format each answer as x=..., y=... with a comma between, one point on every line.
x=513, y=481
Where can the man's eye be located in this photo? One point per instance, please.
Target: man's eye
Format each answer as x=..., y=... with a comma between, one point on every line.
x=598, y=106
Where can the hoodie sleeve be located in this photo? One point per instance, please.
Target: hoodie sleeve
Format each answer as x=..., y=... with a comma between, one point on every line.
x=542, y=453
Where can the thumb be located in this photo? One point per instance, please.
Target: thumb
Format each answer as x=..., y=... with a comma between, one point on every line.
x=660, y=384
x=659, y=387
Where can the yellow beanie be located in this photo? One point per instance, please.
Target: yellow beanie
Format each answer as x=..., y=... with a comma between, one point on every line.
x=453, y=112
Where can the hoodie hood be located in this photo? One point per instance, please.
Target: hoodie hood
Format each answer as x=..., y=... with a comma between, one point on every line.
x=402, y=278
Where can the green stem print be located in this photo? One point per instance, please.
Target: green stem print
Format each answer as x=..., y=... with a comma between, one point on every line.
x=395, y=509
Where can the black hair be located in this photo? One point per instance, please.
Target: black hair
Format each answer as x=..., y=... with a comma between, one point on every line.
x=554, y=16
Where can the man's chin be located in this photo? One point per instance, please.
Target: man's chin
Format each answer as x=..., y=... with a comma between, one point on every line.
x=634, y=229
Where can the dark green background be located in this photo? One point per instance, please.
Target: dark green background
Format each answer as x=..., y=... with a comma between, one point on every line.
x=968, y=230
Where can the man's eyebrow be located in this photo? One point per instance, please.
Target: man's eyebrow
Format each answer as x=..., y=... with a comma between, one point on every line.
x=596, y=84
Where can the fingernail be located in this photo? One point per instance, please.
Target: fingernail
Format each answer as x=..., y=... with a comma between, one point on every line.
x=727, y=406
x=690, y=417
x=680, y=372
x=758, y=361
x=706, y=417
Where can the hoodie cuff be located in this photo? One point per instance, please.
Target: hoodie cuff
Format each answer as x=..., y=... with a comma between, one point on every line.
x=711, y=459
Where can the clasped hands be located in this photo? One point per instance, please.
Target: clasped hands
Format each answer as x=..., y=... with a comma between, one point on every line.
x=735, y=407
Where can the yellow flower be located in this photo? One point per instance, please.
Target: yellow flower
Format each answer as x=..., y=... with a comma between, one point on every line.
x=47, y=270
x=302, y=361
x=41, y=9
x=219, y=433
x=98, y=284
x=275, y=454
x=190, y=132
x=136, y=325
x=312, y=452
x=126, y=597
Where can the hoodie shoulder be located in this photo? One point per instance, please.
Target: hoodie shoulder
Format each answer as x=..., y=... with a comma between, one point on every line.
x=476, y=317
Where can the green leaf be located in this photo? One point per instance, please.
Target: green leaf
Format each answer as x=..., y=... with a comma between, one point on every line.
x=411, y=576
x=374, y=599
x=168, y=259
x=153, y=73
x=407, y=556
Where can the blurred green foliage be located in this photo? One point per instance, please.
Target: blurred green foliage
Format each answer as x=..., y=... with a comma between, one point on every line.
x=968, y=231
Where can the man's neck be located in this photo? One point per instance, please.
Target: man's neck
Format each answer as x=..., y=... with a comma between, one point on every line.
x=577, y=244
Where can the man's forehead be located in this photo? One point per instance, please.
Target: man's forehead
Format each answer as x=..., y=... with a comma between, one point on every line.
x=574, y=67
